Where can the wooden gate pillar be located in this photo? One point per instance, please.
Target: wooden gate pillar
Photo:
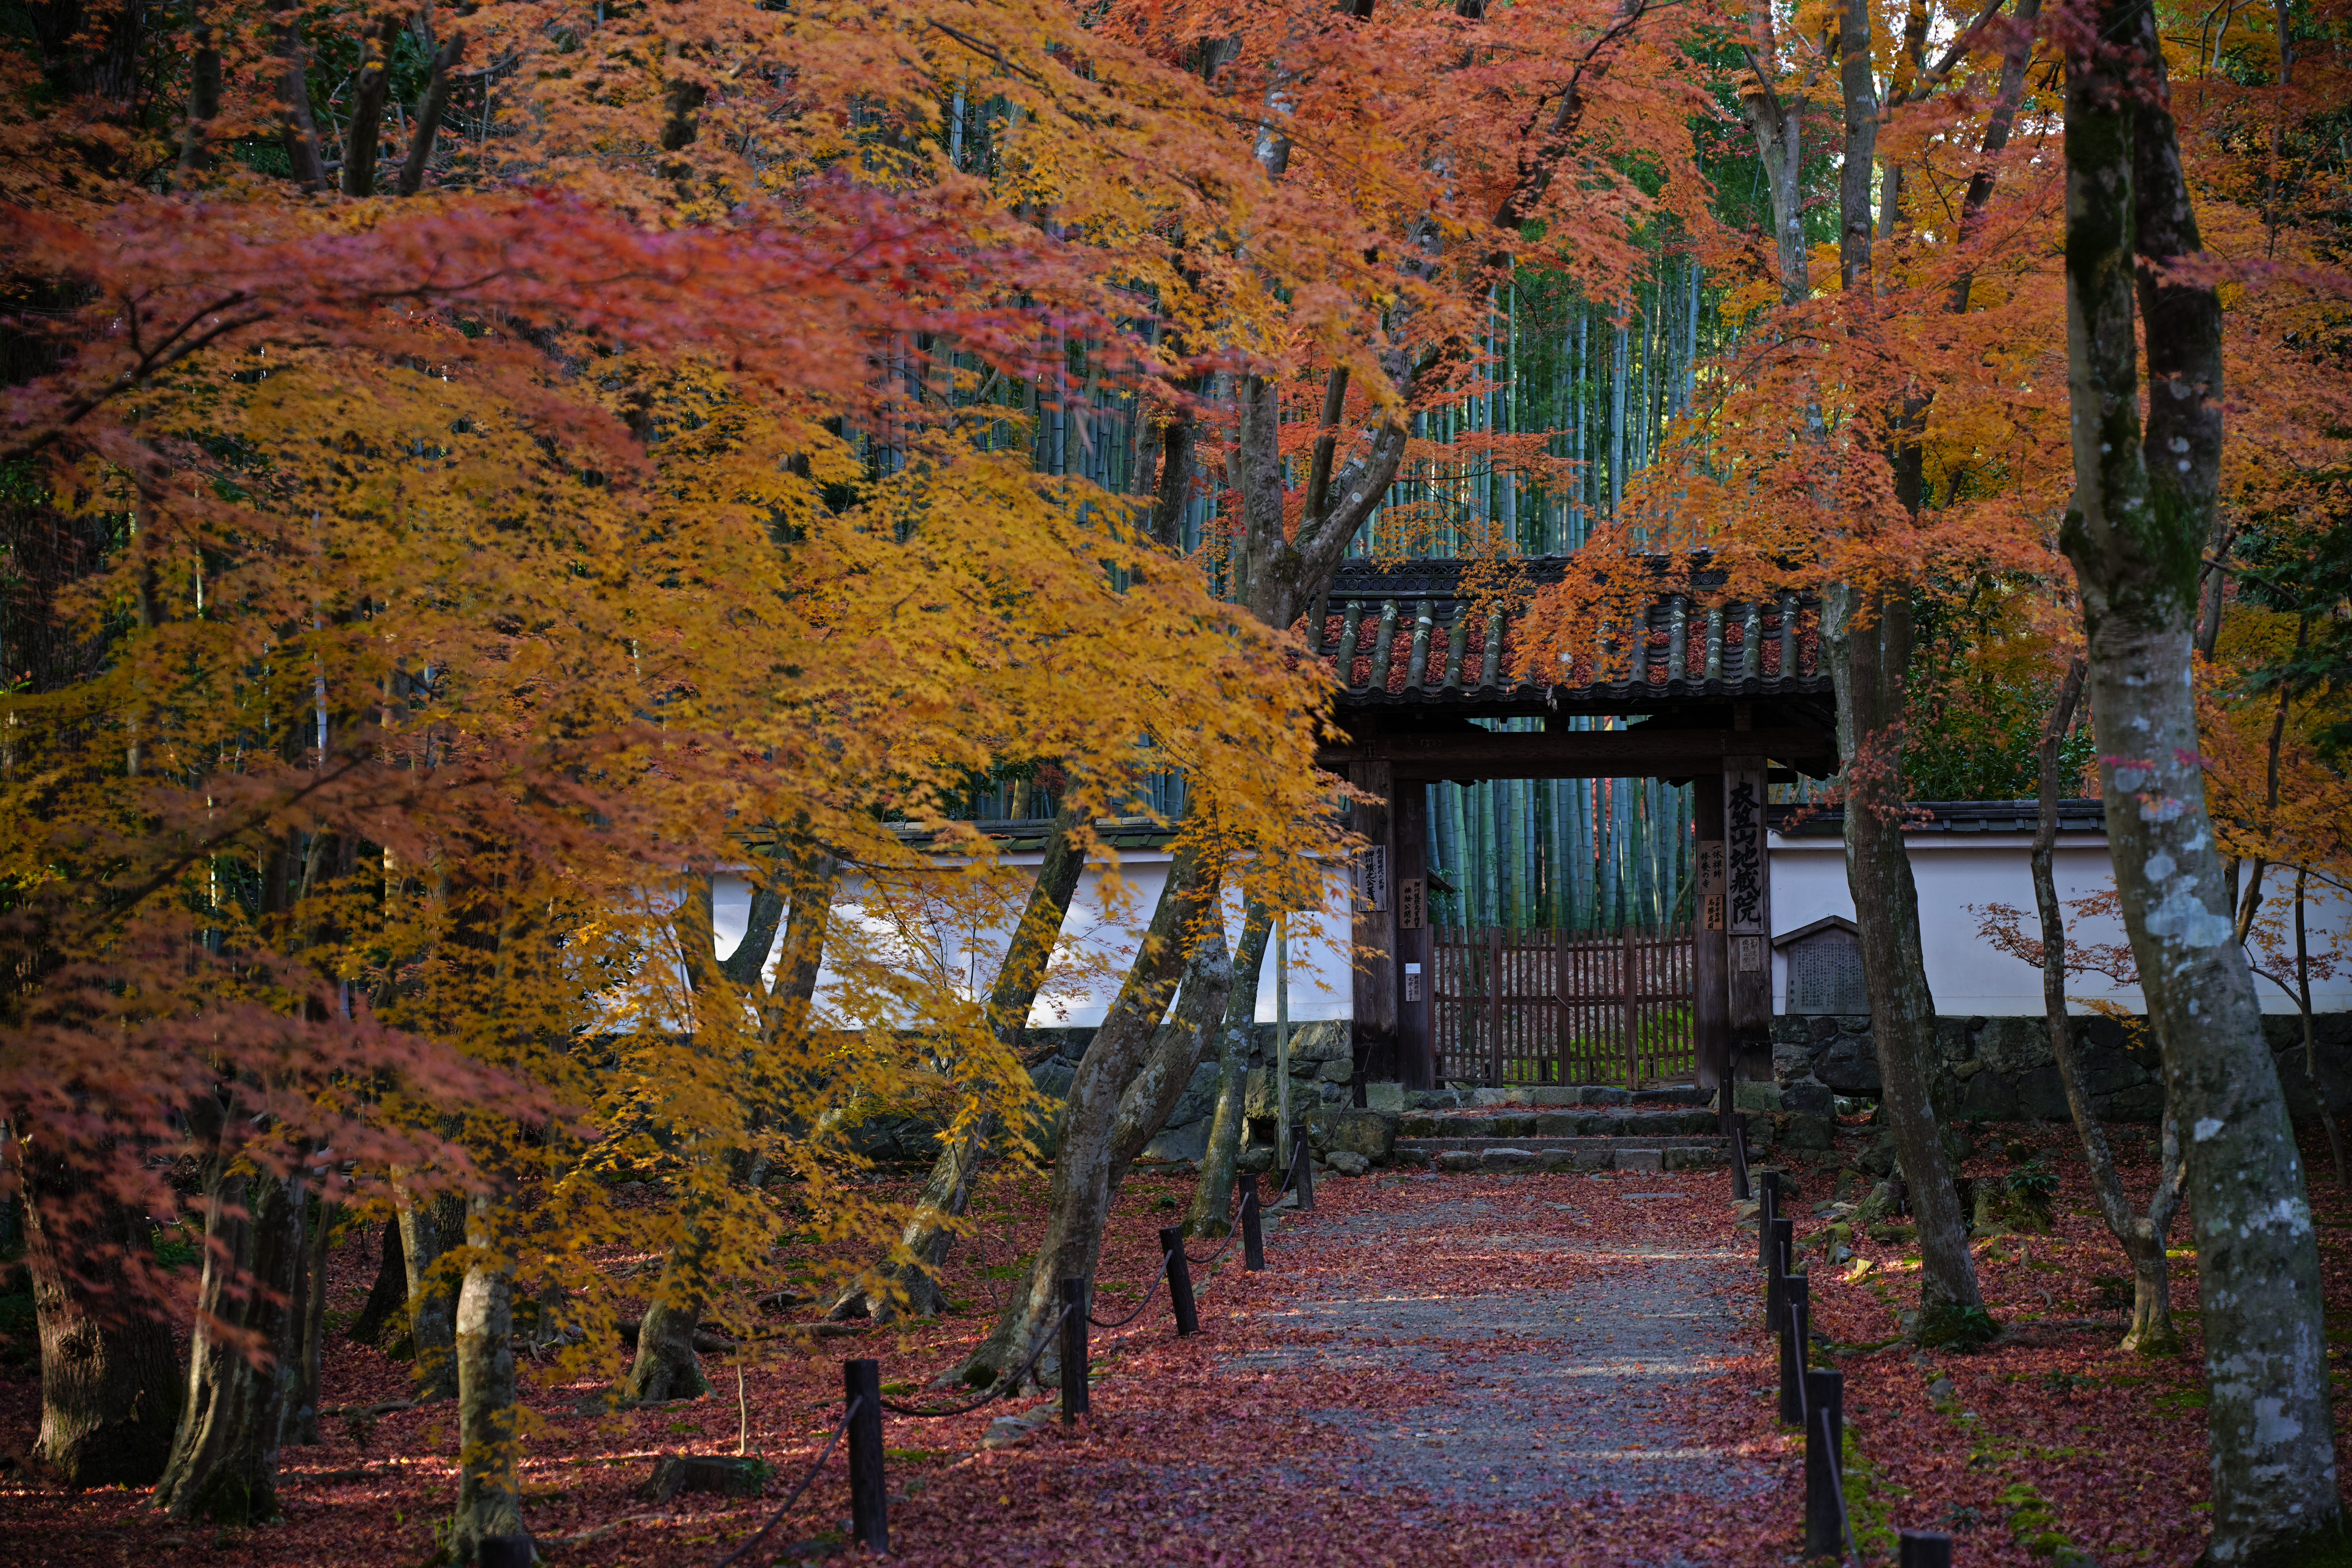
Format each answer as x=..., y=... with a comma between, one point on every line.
x=1710, y=985
x=1374, y=925
x=1416, y=1037
x=1747, y=918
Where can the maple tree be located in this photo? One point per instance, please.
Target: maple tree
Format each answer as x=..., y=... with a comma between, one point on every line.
x=502, y=563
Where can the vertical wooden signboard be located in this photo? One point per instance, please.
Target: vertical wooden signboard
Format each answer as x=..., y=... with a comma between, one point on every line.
x=1711, y=999
x=1415, y=1034
x=1374, y=934
x=1747, y=917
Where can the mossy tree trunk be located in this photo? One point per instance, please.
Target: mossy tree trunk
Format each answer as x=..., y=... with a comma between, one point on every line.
x=110, y=1377
x=1212, y=1210
x=2144, y=505
x=223, y=1463
x=489, y=1485
x=430, y=1226
x=2142, y=1237
x=1128, y=1054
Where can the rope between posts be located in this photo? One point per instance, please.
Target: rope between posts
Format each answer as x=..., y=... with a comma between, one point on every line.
x=1205, y=1262
x=1837, y=1485
x=776, y=1517
x=1148, y=1292
x=1005, y=1387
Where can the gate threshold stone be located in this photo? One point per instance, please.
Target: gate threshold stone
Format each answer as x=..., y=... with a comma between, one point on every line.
x=1564, y=1154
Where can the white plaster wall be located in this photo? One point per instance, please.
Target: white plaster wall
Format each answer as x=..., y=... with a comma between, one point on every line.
x=1106, y=919
x=1959, y=874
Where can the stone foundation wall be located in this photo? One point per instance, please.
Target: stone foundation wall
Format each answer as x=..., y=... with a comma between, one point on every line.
x=2000, y=1070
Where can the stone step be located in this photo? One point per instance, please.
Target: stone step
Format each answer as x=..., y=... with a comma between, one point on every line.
x=1682, y=1152
x=1563, y=1124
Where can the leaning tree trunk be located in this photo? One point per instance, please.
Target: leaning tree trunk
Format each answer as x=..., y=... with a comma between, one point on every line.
x=429, y=1228
x=489, y=1484
x=388, y=1297
x=109, y=1378
x=2142, y=1237
x=1212, y=1210
x=908, y=1281
x=1183, y=942
x=2143, y=507
x=223, y=1461
x=1867, y=662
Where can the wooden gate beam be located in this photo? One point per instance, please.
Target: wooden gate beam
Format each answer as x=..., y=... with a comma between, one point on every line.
x=1468, y=757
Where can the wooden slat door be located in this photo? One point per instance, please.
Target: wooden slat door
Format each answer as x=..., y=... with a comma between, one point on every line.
x=1546, y=1006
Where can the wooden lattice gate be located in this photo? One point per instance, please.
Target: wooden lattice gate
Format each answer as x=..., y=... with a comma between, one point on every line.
x=1554, y=1008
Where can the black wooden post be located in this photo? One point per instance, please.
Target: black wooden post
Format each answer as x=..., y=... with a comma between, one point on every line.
x=1924, y=1549
x=1303, y=1163
x=1824, y=1460
x=1180, y=1281
x=1739, y=1184
x=1074, y=1350
x=1252, y=1239
x=1768, y=1195
x=1794, y=1288
x=1778, y=1236
x=504, y=1552
x=869, y=1499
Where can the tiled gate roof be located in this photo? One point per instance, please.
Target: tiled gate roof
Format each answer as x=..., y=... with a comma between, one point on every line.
x=1414, y=636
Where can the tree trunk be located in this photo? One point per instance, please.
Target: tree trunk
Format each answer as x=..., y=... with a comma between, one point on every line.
x=2141, y=1236
x=1087, y=1171
x=2142, y=510
x=223, y=1462
x=303, y=1420
x=365, y=132
x=666, y=1366
x=428, y=1227
x=429, y=110
x=388, y=1297
x=1867, y=663
x=110, y=1382
x=489, y=1485
x=1212, y=1214
x=204, y=106
x=2310, y=1036
x=912, y=1274
x=297, y=131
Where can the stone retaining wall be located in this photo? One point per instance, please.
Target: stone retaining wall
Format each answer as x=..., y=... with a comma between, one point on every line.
x=2000, y=1070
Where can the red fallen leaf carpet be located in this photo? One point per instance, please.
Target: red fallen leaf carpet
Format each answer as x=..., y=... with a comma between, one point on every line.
x=1475, y=1369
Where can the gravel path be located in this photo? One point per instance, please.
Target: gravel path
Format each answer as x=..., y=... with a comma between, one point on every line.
x=1535, y=1394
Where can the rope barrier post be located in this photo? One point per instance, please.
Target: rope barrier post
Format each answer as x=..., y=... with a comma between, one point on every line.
x=1074, y=1350
x=504, y=1552
x=1302, y=1163
x=1924, y=1549
x=1740, y=1182
x=1794, y=1290
x=1180, y=1281
x=1768, y=1193
x=869, y=1499
x=1824, y=1445
x=1252, y=1239
x=1777, y=1238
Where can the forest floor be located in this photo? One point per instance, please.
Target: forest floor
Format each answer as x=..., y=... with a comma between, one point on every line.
x=1545, y=1368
